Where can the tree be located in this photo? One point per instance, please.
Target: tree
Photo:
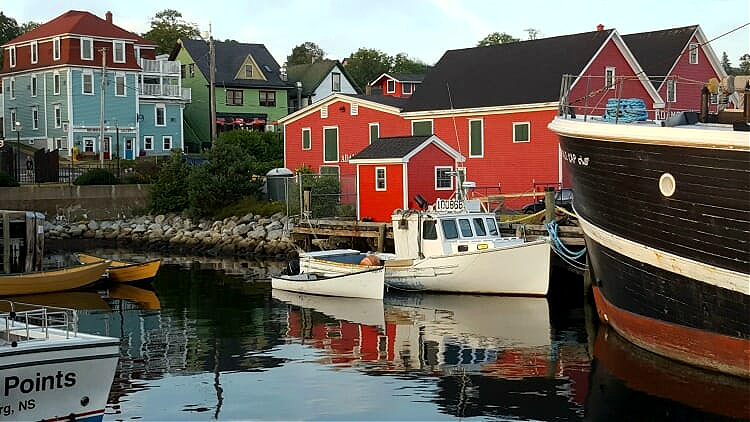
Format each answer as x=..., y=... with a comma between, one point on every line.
x=744, y=65
x=28, y=26
x=401, y=63
x=496, y=38
x=305, y=53
x=726, y=64
x=9, y=29
x=533, y=33
x=167, y=27
x=366, y=64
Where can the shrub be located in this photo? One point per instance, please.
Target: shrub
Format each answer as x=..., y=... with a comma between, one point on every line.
x=325, y=192
x=266, y=147
x=169, y=193
x=96, y=177
x=6, y=180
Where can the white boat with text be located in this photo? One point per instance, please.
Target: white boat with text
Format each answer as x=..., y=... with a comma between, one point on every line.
x=366, y=282
x=49, y=370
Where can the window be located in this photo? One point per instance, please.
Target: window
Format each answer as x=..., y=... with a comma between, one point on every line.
x=12, y=88
x=354, y=109
x=87, y=49
x=429, y=230
x=421, y=127
x=492, y=226
x=336, y=82
x=118, y=51
x=87, y=83
x=465, y=225
x=479, y=227
x=443, y=178
x=374, y=131
x=35, y=117
x=671, y=91
x=390, y=86
x=56, y=48
x=329, y=171
x=267, y=98
x=148, y=143
x=330, y=144
x=248, y=71
x=88, y=144
x=33, y=85
x=58, y=116
x=191, y=69
x=234, y=97
x=693, y=53
x=161, y=115
x=56, y=83
x=120, y=84
x=12, y=56
x=380, y=178
x=449, y=229
x=476, y=138
x=34, y=51
x=166, y=143
x=182, y=71
x=306, y=142
x=521, y=132
x=406, y=88
x=609, y=78
x=324, y=112
x=13, y=119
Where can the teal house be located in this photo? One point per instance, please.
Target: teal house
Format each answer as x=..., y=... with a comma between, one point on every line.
x=77, y=74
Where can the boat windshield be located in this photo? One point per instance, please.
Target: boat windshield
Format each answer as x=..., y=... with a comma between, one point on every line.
x=465, y=226
x=479, y=227
x=429, y=230
x=450, y=230
x=492, y=226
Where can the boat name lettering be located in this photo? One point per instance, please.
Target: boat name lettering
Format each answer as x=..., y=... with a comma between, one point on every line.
x=448, y=205
x=573, y=158
x=39, y=383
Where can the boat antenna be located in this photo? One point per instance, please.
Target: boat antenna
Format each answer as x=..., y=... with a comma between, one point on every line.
x=459, y=188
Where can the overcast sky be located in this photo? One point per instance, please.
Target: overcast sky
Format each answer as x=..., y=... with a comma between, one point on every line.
x=423, y=29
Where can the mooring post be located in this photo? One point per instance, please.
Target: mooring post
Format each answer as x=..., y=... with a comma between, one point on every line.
x=381, y=237
x=549, y=204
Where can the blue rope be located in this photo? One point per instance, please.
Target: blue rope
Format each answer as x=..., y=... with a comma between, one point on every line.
x=558, y=244
x=630, y=110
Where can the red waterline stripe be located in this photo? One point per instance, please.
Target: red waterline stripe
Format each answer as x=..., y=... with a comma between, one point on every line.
x=67, y=418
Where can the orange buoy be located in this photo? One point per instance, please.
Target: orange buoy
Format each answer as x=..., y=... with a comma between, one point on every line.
x=370, y=260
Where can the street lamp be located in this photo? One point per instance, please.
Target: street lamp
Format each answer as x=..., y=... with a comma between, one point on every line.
x=18, y=151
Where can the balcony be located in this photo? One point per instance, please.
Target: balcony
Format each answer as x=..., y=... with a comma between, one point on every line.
x=166, y=91
x=160, y=67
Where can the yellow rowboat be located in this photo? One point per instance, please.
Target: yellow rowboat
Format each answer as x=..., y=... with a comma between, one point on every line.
x=52, y=280
x=122, y=271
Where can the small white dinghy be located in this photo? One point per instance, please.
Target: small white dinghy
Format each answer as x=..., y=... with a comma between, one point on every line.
x=368, y=283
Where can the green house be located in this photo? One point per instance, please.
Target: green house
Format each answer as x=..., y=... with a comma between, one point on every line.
x=250, y=91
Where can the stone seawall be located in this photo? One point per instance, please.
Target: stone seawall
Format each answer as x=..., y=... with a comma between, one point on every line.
x=75, y=203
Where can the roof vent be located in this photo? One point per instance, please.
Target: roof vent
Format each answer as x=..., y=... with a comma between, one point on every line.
x=600, y=27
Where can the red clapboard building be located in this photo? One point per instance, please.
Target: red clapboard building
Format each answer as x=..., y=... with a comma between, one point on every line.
x=396, y=84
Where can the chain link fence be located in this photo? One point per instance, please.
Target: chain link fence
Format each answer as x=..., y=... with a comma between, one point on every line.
x=316, y=195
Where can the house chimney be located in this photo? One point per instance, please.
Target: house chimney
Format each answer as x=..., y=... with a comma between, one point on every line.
x=600, y=27
x=108, y=16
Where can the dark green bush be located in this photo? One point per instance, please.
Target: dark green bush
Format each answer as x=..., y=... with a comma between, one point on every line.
x=266, y=147
x=96, y=177
x=6, y=180
x=169, y=193
x=325, y=193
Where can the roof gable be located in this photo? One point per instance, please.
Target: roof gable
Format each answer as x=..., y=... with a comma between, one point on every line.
x=313, y=74
x=658, y=51
x=400, y=149
x=255, y=72
x=400, y=77
x=524, y=72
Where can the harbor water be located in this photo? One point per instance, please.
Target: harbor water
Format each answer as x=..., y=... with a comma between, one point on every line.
x=208, y=339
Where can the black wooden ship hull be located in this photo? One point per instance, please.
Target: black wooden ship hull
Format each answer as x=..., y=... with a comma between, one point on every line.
x=666, y=217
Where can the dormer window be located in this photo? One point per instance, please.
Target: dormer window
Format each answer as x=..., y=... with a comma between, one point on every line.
x=693, y=53
x=248, y=71
x=336, y=82
x=34, y=52
x=406, y=88
x=12, y=56
x=56, y=48
x=118, y=51
x=390, y=86
x=87, y=49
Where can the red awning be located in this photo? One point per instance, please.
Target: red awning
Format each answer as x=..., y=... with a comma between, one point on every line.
x=239, y=121
x=257, y=121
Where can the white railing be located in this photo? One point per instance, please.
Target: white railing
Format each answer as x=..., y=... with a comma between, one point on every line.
x=24, y=322
x=162, y=90
x=164, y=67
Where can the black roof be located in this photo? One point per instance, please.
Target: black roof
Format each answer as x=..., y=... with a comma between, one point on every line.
x=230, y=56
x=395, y=147
x=521, y=72
x=407, y=77
x=312, y=75
x=657, y=51
x=388, y=100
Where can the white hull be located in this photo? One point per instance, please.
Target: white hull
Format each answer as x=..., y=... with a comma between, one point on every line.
x=368, y=284
x=53, y=378
x=521, y=269
x=352, y=309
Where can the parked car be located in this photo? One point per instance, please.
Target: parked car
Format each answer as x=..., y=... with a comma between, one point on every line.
x=563, y=198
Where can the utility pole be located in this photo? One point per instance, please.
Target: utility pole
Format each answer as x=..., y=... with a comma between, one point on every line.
x=212, y=83
x=101, y=107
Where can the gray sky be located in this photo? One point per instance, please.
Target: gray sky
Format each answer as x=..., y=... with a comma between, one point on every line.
x=423, y=29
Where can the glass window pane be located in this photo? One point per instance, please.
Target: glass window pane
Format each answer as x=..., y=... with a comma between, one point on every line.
x=492, y=226
x=449, y=229
x=429, y=230
x=521, y=132
x=479, y=227
x=475, y=132
x=331, y=145
x=422, y=128
x=465, y=226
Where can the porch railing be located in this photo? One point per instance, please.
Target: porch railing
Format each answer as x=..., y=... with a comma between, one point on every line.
x=164, y=67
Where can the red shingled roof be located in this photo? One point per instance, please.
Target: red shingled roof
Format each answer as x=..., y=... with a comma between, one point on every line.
x=80, y=23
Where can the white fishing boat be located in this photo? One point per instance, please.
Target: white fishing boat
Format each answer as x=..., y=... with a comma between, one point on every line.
x=367, y=283
x=49, y=370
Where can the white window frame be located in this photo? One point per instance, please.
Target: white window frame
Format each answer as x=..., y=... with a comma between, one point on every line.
x=12, y=56
x=528, y=124
x=34, y=85
x=115, y=45
x=435, y=178
x=56, y=48
x=335, y=88
x=124, y=84
x=249, y=74
x=34, y=118
x=354, y=109
x=481, y=133
x=13, y=116
x=89, y=139
x=693, y=52
x=84, y=74
x=34, y=51
x=90, y=49
x=324, y=112
x=148, y=142
x=309, y=136
x=338, y=145
x=156, y=115
x=166, y=140
x=389, y=90
x=384, y=179
x=57, y=116
x=673, y=84
x=12, y=88
x=432, y=125
x=369, y=130
x=610, y=81
x=403, y=88
x=56, y=82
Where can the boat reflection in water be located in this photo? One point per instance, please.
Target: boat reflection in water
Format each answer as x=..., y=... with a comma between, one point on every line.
x=624, y=374
x=80, y=300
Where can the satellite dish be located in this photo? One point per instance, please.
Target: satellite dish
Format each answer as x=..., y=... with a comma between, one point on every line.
x=713, y=86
